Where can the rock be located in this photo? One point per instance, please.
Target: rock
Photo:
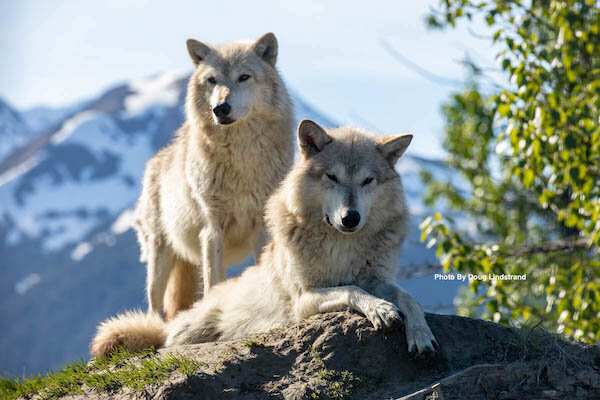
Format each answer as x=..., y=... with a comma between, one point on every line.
x=340, y=355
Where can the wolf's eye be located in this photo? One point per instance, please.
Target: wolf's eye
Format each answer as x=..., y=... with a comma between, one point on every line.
x=332, y=177
x=212, y=80
x=243, y=78
x=367, y=181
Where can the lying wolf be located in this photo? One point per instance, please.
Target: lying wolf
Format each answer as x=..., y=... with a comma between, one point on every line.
x=336, y=223
x=203, y=196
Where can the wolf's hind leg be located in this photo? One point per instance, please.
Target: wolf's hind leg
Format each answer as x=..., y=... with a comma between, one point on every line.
x=421, y=341
x=181, y=291
x=381, y=313
x=260, y=240
x=160, y=263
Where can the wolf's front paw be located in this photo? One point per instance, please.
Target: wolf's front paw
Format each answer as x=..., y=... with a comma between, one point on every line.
x=381, y=313
x=421, y=342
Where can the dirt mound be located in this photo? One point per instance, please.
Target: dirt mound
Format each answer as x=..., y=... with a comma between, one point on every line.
x=339, y=355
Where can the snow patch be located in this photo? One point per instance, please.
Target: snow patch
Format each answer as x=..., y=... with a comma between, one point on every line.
x=155, y=91
x=99, y=136
x=27, y=283
x=18, y=170
x=40, y=119
x=82, y=250
x=71, y=125
x=123, y=223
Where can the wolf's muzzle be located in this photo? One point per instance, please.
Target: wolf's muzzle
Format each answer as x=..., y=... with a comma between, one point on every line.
x=351, y=219
x=222, y=110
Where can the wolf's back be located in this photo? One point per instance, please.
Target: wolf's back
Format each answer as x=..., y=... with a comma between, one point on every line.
x=133, y=331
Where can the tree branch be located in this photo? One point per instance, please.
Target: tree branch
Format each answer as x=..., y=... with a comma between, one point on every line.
x=418, y=69
x=422, y=270
x=557, y=245
x=419, y=270
x=529, y=12
x=436, y=387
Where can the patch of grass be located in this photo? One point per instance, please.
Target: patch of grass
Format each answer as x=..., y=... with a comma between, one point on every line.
x=220, y=366
x=123, y=369
x=339, y=383
x=227, y=352
x=533, y=341
x=528, y=341
x=250, y=343
x=256, y=342
x=309, y=316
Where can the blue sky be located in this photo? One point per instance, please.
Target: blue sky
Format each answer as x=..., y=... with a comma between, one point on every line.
x=330, y=53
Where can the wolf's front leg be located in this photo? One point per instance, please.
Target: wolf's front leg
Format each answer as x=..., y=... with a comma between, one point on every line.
x=212, y=242
x=381, y=313
x=160, y=264
x=421, y=341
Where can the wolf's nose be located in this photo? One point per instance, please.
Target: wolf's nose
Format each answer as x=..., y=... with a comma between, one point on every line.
x=222, y=110
x=351, y=219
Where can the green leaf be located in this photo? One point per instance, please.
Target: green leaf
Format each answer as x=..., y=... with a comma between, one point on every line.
x=504, y=110
x=528, y=176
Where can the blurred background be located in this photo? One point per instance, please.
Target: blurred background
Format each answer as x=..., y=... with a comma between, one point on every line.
x=91, y=90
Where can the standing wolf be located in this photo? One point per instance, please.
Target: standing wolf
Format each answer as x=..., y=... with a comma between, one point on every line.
x=203, y=196
x=337, y=223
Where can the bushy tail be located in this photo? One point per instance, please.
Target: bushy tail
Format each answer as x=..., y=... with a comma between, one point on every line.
x=133, y=331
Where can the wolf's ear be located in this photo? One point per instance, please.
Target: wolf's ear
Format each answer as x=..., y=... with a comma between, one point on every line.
x=392, y=147
x=266, y=48
x=311, y=138
x=198, y=50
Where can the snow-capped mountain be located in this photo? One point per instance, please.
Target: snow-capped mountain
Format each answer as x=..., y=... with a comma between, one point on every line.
x=41, y=118
x=68, y=180
x=91, y=166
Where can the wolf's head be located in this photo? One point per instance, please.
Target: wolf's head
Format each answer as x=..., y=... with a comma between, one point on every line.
x=346, y=177
x=233, y=80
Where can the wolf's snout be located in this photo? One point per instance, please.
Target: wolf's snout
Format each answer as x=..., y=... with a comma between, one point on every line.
x=222, y=110
x=351, y=219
